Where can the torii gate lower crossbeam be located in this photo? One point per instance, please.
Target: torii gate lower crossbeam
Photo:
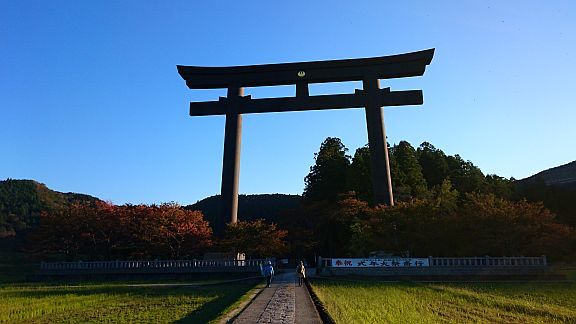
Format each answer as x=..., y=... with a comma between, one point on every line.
x=371, y=97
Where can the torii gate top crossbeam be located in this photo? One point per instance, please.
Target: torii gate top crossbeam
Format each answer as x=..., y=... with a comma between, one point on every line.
x=384, y=67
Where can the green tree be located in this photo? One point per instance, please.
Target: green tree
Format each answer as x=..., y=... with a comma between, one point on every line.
x=465, y=176
x=433, y=163
x=361, y=174
x=445, y=197
x=329, y=175
x=411, y=179
x=499, y=186
x=399, y=188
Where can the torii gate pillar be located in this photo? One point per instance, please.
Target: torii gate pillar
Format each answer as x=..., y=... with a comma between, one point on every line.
x=380, y=164
x=231, y=162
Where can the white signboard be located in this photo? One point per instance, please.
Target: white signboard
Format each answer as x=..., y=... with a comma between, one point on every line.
x=382, y=263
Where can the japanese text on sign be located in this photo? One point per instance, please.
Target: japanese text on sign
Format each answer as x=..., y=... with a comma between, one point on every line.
x=390, y=262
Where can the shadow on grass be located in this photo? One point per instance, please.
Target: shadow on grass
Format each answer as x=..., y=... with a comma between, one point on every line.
x=47, y=291
x=51, y=291
x=229, y=294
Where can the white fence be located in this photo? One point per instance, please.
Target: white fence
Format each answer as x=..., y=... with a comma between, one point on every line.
x=485, y=261
x=488, y=261
x=156, y=265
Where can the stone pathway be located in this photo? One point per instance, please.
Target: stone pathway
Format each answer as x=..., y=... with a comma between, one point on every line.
x=283, y=302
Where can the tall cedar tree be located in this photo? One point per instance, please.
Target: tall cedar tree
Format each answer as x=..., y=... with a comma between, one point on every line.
x=361, y=174
x=465, y=176
x=329, y=175
x=411, y=180
x=433, y=163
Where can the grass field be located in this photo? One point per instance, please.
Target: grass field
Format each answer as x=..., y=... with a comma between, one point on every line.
x=381, y=302
x=113, y=300
x=115, y=303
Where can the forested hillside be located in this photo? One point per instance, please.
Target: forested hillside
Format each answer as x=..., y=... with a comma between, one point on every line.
x=22, y=201
x=556, y=187
x=416, y=173
x=560, y=176
x=250, y=207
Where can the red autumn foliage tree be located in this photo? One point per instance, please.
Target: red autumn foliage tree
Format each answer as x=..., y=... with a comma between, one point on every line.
x=103, y=231
x=482, y=225
x=488, y=225
x=255, y=238
x=441, y=225
x=170, y=230
x=81, y=230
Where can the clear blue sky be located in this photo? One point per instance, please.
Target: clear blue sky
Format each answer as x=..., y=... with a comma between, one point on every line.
x=90, y=100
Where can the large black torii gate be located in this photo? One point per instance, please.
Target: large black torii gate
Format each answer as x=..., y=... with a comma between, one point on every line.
x=372, y=97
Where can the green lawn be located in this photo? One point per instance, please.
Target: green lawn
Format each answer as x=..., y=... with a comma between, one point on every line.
x=381, y=302
x=31, y=303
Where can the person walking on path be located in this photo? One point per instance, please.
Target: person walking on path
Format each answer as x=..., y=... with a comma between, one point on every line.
x=268, y=273
x=301, y=273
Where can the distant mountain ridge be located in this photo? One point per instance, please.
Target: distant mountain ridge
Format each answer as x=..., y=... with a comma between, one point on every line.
x=22, y=202
x=250, y=207
x=556, y=188
x=563, y=175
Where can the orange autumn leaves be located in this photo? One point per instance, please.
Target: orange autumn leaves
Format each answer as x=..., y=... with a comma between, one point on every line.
x=102, y=231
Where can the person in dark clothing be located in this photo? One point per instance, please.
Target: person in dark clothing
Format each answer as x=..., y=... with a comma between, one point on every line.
x=301, y=273
x=268, y=273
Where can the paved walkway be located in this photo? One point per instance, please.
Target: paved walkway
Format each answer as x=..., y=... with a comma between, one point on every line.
x=283, y=302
